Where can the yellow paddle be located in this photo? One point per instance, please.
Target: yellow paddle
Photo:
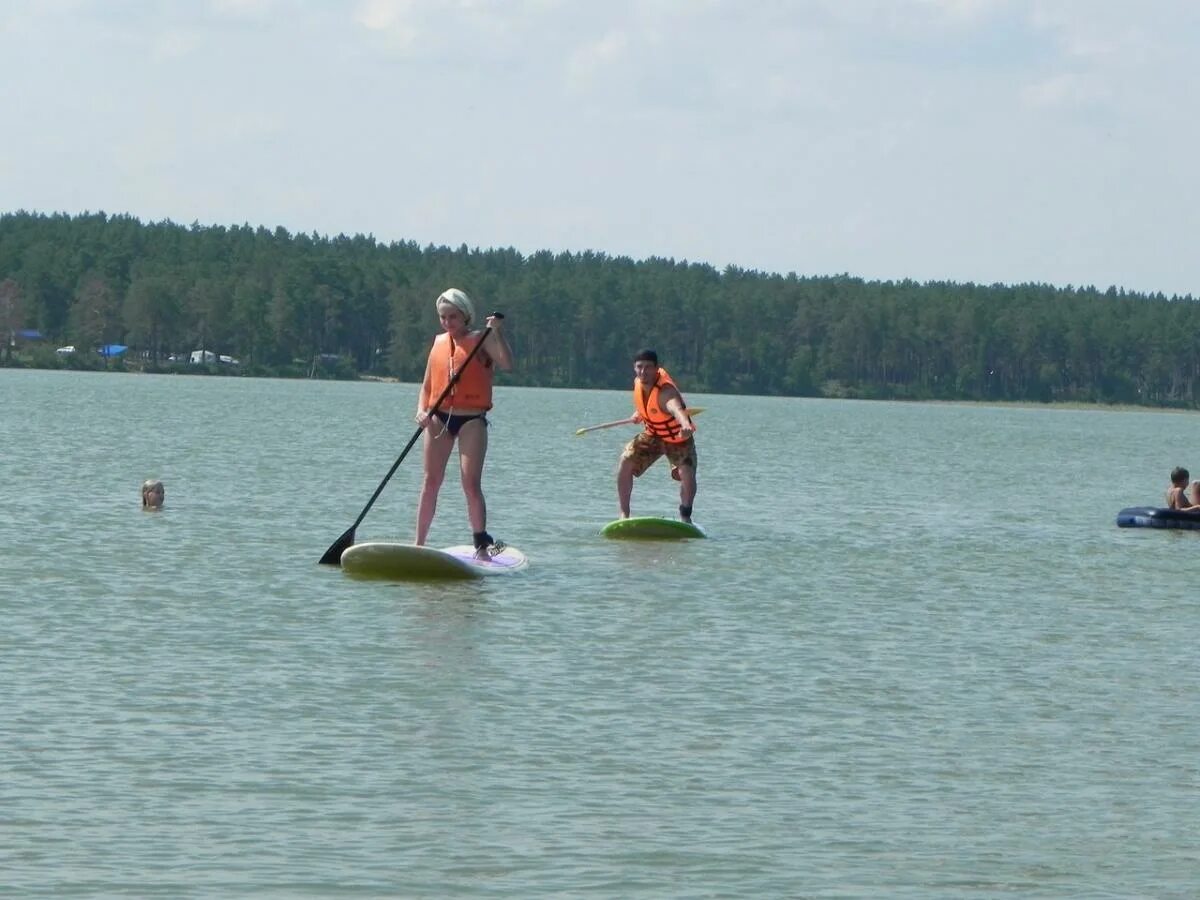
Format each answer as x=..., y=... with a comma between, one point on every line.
x=691, y=410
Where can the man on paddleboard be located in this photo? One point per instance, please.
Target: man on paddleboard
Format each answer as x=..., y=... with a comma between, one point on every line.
x=669, y=432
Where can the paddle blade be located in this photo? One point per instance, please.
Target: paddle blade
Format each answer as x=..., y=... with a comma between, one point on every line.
x=333, y=556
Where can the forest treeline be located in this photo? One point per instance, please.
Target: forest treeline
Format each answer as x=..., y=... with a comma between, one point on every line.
x=300, y=304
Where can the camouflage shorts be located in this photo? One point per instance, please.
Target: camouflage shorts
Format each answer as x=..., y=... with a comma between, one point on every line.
x=645, y=449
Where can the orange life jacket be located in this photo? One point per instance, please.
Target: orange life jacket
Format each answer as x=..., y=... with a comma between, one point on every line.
x=658, y=419
x=473, y=390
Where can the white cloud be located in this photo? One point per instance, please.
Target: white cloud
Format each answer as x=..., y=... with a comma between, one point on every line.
x=245, y=9
x=391, y=20
x=1069, y=89
x=965, y=10
x=383, y=15
x=592, y=61
x=173, y=44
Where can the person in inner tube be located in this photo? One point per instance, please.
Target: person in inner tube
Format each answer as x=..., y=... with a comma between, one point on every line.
x=1177, y=498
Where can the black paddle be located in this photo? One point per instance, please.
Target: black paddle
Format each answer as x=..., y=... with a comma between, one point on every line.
x=333, y=556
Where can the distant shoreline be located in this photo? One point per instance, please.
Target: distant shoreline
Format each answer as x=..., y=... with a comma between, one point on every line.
x=390, y=379
x=1059, y=404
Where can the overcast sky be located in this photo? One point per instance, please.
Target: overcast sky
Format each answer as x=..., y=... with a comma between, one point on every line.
x=967, y=140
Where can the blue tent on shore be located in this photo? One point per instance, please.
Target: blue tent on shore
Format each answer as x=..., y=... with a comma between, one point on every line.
x=112, y=349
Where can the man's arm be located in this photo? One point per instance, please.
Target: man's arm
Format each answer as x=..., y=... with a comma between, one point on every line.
x=674, y=405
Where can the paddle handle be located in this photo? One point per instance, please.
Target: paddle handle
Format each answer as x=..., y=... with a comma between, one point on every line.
x=580, y=431
x=691, y=411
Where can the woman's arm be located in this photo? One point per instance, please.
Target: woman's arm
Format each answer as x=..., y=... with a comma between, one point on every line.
x=423, y=398
x=497, y=347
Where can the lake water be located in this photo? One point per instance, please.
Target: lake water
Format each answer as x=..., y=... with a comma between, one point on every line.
x=916, y=657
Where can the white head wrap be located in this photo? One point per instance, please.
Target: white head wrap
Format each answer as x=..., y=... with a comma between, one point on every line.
x=458, y=299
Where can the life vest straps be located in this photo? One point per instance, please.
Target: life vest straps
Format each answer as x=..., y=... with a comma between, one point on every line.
x=667, y=429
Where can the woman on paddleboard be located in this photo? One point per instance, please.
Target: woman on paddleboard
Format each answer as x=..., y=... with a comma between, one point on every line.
x=462, y=418
x=669, y=432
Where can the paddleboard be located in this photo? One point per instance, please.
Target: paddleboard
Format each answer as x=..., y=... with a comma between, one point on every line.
x=651, y=528
x=390, y=560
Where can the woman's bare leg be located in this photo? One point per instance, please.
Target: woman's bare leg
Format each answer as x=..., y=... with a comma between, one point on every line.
x=436, y=451
x=472, y=450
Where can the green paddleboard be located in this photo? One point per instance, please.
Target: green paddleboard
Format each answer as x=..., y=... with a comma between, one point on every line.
x=651, y=528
